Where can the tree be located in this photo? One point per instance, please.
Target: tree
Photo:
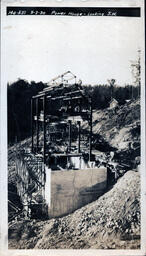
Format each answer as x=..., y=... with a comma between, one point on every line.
x=136, y=72
x=112, y=83
x=19, y=105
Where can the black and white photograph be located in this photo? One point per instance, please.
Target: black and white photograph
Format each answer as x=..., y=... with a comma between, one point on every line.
x=73, y=128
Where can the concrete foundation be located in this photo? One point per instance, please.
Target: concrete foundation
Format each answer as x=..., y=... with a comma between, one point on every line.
x=58, y=192
x=70, y=190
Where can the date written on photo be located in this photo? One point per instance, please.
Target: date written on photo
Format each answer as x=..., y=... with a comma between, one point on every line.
x=74, y=11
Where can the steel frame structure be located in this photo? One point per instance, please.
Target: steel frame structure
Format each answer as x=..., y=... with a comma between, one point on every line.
x=71, y=97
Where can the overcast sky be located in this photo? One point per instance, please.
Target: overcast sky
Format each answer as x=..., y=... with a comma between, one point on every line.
x=94, y=48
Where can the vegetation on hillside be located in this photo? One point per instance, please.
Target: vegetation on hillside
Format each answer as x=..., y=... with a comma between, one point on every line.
x=19, y=103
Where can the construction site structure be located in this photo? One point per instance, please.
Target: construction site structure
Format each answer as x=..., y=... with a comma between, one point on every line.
x=59, y=173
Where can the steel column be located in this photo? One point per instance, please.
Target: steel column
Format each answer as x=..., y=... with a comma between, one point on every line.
x=32, y=126
x=44, y=128
x=69, y=135
x=37, y=124
x=90, y=135
x=79, y=137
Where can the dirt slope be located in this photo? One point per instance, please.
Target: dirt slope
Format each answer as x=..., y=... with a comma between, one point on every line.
x=112, y=221
x=120, y=126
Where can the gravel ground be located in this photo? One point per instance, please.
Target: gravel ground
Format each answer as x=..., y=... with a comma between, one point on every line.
x=110, y=222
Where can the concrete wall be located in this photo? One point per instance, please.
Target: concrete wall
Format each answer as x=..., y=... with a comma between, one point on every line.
x=64, y=191
x=71, y=189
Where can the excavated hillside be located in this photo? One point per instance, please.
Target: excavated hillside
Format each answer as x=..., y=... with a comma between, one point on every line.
x=110, y=222
x=119, y=126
